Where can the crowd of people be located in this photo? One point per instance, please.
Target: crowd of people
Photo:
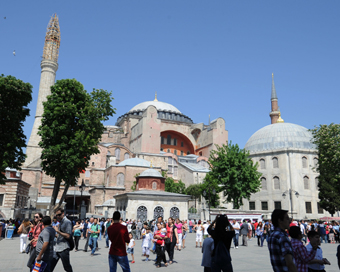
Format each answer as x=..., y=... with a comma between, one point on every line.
x=293, y=245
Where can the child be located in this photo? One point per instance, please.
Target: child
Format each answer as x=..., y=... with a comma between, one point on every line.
x=318, y=264
x=146, y=243
x=301, y=255
x=130, y=248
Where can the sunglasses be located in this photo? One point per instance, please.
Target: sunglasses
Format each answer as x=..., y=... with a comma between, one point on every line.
x=58, y=214
x=36, y=217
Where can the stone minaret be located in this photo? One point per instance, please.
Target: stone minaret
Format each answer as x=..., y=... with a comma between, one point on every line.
x=49, y=67
x=274, y=114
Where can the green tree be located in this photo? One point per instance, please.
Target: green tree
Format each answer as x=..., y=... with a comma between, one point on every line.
x=70, y=131
x=327, y=140
x=194, y=190
x=174, y=187
x=233, y=173
x=15, y=95
x=134, y=184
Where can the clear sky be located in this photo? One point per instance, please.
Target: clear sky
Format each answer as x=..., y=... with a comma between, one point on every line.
x=204, y=57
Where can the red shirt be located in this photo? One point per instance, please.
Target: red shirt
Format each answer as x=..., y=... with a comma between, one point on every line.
x=36, y=231
x=119, y=236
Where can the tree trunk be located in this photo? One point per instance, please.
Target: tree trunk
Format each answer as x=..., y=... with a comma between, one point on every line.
x=55, y=192
x=67, y=185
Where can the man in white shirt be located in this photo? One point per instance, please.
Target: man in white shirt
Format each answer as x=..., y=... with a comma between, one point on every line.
x=205, y=233
x=236, y=227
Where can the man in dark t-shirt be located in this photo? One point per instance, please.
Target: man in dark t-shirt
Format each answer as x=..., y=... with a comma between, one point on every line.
x=119, y=236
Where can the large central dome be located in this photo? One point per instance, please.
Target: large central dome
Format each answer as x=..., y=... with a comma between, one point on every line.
x=280, y=136
x=160, y=106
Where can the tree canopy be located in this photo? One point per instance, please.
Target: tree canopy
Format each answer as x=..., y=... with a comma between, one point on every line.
x=174, y=187
x=70, y=130
x=327, y=140
x=233, y=173
x=15, y=95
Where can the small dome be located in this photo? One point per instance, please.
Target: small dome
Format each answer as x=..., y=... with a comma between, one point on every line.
x=151, y=173
x=135, y=162
x=279, y=136
x=161, y=106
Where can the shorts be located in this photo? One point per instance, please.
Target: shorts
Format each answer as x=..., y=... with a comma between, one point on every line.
x=198, y=237
x=130, y=250
x=146, y=251
x=185, y=235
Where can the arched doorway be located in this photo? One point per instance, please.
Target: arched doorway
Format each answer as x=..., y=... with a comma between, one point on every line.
x=176, y=143
x=142, y=213
x=174, y=212
x=157, y=212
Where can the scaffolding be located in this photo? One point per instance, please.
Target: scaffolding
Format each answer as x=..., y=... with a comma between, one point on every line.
x=52, y=40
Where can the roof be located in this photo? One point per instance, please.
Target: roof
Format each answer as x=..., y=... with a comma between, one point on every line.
x=135, y=162
x=45, y=199
x=151, y=173
x=161, y=106
x=195, y=167
x=280, y=136
x=155, y=193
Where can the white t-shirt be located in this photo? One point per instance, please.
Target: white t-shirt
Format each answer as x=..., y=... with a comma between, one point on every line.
x=302, y=228
x=147, y=239
x=124, y=223
x=236, y=225
x=206, y=226
x=199, y=229
x=131, y=243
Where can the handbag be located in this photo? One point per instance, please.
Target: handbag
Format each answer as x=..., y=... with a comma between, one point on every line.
x=28, y=248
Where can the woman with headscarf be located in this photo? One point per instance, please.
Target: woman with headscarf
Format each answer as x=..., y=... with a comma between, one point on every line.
x=222, y=232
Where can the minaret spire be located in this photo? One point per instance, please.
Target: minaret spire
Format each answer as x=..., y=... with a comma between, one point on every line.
x=274, y=114
x=49, y=67
x=155, y=97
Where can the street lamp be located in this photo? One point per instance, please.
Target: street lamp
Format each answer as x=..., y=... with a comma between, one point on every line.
x=290, y=191
x=81, y=189
x=208, y=193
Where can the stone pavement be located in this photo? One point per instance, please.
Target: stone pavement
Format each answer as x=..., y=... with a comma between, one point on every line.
x=251, y=258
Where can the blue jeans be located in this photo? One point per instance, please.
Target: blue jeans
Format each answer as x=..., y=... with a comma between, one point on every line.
x=100, y=236
x=92, y=244
x=262, y=239
x=190, y=229
x=107, y=240
x=323, y=237
x=122, y=260
x=236, y=239
x=154, y=246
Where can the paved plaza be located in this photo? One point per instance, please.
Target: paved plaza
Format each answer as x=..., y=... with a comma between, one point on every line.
x=251, y=258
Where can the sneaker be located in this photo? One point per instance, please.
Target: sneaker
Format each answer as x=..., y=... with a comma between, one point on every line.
x=237, y=247
x=146, y=259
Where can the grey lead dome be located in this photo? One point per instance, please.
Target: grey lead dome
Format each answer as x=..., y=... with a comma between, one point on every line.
x=160, y=106
x=280, y=136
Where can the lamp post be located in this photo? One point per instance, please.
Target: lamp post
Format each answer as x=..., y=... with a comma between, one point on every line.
x=290, y=191
x=208, y=193
x=81, y=189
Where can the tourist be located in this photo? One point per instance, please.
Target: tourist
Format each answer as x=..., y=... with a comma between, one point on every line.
x=236, y=227
x=322, y=231
x=199, y=233
x=207, y=249
x=139, y=229
x=179, y=227
x=107, y=225
x=159, y=239
x=185, y=233
x=301, y=256
x=133, y=229
x=259, y=234
x=94, y=232
x=318, y=263
x=36, y=230
x=62, y=248
x=222, y=234
x=205, y=232
x=280, y=248
x=173, y=237
x=89, y=224
x=118, y=235
x=147, y=237
x=131, y=247
x=44, y=248
x=190, y=226
x=244, y=232
x=159, y=220
x=77, y=228
x=23, y=231
x=85, y=229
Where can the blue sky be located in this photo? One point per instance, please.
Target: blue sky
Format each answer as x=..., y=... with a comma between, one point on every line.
x=204, y=57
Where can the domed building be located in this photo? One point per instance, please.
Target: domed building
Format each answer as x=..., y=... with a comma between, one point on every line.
x=287, y=160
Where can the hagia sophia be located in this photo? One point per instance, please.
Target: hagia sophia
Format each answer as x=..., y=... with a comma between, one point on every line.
x=155, y=136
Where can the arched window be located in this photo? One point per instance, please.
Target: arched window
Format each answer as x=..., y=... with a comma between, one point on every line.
x=154, y=185
x=306, y=182
x=262, y=164
x=157, y=212
x=117, y=153
x=126, y=156
x=276, y=183
x=304, y=162
x=315, y=162
x=142, y=213
x=174, y=212
x=264, y=183
x=275, y=163
x=120, y=180
x=168, y=140
x=317, y=183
